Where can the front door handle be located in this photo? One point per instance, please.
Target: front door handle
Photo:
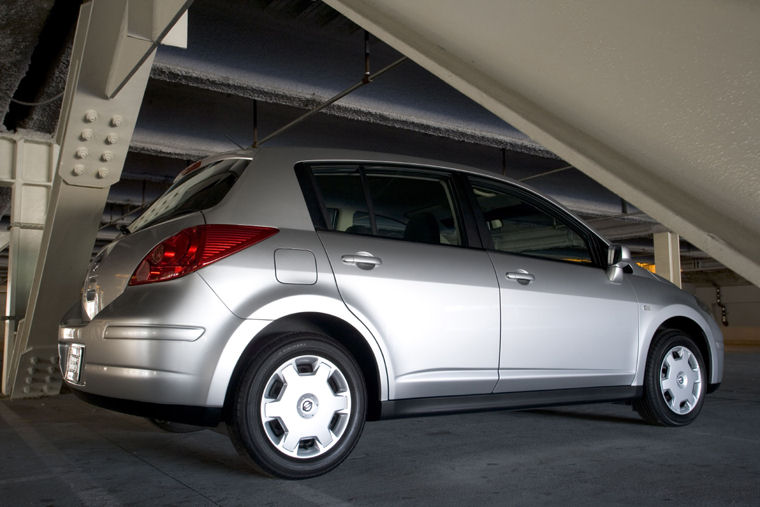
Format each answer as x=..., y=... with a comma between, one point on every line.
x=362, y=260
x=522, y=277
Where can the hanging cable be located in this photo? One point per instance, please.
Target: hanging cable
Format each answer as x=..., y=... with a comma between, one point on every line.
x=722, y=306
x=366, y=79
x=366, y=56
x=40, y=103
x=332, y=100
x=547, y=173
x=255, y=122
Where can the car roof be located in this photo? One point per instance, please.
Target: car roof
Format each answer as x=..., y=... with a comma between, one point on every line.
x=290, y=156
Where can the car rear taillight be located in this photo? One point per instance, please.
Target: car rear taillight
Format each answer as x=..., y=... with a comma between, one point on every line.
x=195, y=247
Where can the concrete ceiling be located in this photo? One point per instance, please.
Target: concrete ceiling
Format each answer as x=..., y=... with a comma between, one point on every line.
x=287, y=55
x=659, y=101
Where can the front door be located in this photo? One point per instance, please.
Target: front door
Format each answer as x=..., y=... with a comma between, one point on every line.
x=564, y=324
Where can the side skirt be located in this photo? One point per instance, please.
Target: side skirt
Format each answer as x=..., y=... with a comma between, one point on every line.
x=501, y=401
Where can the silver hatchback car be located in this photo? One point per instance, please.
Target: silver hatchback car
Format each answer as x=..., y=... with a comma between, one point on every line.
x=295, y=293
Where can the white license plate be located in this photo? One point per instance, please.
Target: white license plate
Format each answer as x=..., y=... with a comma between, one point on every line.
x=74, y=362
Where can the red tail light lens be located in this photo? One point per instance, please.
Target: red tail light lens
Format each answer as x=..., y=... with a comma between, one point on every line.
x=195, y=247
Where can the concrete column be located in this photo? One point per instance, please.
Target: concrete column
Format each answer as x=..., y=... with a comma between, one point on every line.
x=667, y=256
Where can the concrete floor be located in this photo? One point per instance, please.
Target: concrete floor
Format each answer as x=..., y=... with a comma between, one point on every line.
x=60, y=451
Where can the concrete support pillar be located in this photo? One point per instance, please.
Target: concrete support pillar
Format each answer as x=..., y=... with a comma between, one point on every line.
x=667, y=256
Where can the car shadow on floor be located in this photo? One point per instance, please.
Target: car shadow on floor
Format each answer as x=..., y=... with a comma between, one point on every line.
x=590, y=416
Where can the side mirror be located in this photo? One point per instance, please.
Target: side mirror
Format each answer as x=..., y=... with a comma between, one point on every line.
x=618, y=262
x=618, y=253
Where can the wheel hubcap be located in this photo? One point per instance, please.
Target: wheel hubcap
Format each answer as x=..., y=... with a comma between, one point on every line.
x=680, y=380
x=306, y=406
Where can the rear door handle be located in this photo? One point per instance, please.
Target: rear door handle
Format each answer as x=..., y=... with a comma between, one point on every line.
x=522, y=277
x=362, y=260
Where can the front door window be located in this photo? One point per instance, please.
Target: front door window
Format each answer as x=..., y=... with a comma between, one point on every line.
x=517, y=226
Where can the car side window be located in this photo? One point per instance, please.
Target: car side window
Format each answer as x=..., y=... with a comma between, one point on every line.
x=344, y=202
x=390, y=202
x=521, y=226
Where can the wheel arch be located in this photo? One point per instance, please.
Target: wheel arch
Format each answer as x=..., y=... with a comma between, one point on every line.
x=694, y=331
x=320, y=323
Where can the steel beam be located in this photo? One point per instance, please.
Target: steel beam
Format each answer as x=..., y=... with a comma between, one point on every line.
x=657, y=101
x=26, y=167
x=111, y=58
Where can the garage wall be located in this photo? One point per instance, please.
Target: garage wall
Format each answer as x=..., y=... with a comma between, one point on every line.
x=741, y=304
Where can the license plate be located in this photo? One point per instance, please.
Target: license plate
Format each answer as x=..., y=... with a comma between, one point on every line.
x=74, y=362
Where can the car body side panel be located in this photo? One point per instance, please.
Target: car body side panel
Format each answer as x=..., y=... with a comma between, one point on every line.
x=570, y=327
x=247, y=284
x=228, y=358
x=267, y=194
x=435, y=307
x=248, y=280
x=288, y=306
x=661, y=301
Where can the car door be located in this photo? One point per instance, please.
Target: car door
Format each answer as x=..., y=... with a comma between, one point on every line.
x=399, y=250
x=564, y=324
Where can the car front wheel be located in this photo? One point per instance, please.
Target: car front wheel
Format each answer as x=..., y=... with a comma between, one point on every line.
x=674, y=383
x=299, y=408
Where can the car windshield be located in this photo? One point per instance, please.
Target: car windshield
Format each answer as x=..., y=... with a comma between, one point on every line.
x=196, y=191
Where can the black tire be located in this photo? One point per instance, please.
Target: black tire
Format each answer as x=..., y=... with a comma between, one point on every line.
x=266, y=441
x=174, y=427
x=674, y=390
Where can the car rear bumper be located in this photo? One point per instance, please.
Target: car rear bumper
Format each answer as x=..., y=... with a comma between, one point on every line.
x=159, y=346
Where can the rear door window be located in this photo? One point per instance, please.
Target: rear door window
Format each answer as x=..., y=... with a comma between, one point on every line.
x=195, y=191
x=400, y=203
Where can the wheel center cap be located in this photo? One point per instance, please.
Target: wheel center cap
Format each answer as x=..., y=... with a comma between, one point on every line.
x=307, y=406
x=682, y=380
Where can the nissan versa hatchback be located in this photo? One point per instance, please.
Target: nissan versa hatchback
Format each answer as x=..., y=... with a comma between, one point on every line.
x=293, y=294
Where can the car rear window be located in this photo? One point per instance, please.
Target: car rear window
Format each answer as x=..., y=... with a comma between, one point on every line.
x=195, y=191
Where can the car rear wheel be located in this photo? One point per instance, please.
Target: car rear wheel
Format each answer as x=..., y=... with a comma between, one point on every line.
x=674, y=383
x=299, y=408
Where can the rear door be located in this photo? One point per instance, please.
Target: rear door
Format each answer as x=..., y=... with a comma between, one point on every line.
x=399, y=250
x=564, y=324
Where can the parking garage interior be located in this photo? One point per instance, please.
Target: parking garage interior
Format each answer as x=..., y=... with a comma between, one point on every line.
x=241, y=70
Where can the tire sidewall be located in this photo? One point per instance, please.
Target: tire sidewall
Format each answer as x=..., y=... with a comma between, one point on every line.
x=247, y=412
x=653, y=390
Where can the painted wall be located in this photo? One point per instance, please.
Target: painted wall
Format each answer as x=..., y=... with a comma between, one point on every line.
x=742, y=305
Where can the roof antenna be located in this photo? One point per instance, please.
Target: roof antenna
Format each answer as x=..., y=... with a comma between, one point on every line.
x=366, y=79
